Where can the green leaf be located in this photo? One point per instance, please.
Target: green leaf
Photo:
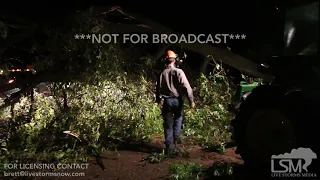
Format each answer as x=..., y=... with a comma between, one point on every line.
x=59, y=155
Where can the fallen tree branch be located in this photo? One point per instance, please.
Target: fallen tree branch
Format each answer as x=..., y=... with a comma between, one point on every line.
x=206, y=50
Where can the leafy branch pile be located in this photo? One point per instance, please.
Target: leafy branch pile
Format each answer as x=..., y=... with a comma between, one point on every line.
x=101, y=101
x=209, y=124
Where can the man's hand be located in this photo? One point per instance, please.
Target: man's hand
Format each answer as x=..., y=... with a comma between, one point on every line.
x=192, y=105
x=160, y=105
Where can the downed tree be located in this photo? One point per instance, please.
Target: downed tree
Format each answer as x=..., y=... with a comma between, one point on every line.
x=137, y=23
x=75, y=61
x=225, y=55
x=108, y=102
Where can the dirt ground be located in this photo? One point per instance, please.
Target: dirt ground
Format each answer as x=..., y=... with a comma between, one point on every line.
x=128, y=164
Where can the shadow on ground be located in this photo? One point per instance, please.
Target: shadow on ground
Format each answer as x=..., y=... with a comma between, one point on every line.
x=217, y=147
x=143, y=147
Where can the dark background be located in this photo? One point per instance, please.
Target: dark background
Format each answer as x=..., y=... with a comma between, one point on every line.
x=261, y=20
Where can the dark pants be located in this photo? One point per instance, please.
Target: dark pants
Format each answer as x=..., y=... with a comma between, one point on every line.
x=172, y=113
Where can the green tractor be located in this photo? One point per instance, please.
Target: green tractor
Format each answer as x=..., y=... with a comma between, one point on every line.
x=242, y=91
x=281, y=116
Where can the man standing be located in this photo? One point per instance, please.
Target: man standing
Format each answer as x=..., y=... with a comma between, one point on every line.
x=171, y=85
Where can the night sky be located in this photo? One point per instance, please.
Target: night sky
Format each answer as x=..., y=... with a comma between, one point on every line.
x=260, y=20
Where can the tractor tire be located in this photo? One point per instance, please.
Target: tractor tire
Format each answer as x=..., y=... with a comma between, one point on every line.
x=262, y=127
x=273, y=121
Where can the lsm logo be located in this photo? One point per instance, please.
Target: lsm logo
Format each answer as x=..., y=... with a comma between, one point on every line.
x=293, y=164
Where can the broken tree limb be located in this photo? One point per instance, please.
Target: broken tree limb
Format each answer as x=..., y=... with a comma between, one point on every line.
x=124, y=28
x=225, y=55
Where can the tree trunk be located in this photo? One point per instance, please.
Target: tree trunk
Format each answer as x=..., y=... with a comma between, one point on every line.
x=31, y=110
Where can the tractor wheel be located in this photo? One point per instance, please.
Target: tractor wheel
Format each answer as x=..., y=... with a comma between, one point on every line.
x=263, y=128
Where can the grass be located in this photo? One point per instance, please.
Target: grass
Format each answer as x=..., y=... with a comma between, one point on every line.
x=181, y=171
x=194, y=171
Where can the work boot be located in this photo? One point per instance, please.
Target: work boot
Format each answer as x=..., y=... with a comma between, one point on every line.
x=171, y=153
x=168, y=151
x=179, y=141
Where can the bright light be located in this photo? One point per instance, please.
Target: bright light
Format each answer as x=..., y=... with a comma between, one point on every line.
x=15, y=70
x=264, y=65
x=11, y=81
x=290, y=36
